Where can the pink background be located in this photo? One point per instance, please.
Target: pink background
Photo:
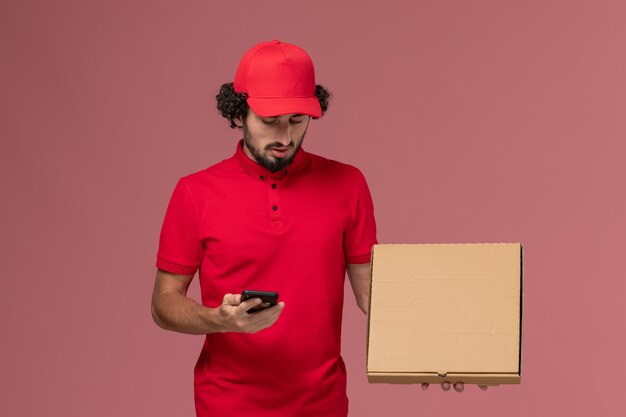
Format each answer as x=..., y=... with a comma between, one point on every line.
x=473, y=121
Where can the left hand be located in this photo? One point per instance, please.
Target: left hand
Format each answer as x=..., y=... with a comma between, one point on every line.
x=458, y=386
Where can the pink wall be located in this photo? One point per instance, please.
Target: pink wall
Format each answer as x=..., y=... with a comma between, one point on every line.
x=473, y=121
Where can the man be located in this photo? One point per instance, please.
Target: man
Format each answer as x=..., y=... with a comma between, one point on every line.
x=272, y=217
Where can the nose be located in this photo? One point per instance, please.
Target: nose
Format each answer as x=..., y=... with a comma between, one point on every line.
x=284, y=134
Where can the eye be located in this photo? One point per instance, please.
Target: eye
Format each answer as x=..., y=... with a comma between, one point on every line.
x=295, y=122
x=270, y=122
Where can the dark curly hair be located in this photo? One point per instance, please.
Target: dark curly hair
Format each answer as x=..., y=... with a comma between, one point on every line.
x=233, y=105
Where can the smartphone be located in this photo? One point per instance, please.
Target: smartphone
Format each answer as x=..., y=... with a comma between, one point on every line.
x=268, y=298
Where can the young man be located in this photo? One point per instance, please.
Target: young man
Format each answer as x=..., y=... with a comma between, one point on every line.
x=272, y=217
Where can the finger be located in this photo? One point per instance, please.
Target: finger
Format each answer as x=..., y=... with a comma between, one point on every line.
x=273, y=310
x=458, y=387
x=270, y=314
x=483, y=387
x=229, y=299
x=424, y=386
x=248, y=304
x=264, y=318
x=445, y=386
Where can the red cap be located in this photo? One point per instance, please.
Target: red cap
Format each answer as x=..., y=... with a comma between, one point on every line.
x=279, y=79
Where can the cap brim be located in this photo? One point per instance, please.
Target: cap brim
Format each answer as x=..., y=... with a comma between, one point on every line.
x=275, y=106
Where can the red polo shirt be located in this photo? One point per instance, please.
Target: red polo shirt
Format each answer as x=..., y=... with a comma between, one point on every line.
x=292, y=232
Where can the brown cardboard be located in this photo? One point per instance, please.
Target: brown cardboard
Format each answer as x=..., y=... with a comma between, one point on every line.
x=445, y=312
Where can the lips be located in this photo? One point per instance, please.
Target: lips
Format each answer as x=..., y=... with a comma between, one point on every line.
x=279, y=152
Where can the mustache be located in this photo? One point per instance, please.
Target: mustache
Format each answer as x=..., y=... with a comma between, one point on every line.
x=277, y=145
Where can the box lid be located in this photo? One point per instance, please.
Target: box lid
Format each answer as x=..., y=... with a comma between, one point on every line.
x=445, y=308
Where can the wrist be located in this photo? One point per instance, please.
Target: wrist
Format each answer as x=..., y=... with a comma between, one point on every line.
x=213, y=320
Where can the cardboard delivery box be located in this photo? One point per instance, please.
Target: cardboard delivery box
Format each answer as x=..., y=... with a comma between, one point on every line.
x=445, y=312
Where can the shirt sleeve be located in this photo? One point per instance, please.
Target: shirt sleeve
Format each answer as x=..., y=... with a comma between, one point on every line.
x=180, y=249
x=360, y=235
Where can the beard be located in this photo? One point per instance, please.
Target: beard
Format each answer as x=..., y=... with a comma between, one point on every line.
x=269, y=162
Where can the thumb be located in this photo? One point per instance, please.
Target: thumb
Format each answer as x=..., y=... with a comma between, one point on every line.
x=232, y=299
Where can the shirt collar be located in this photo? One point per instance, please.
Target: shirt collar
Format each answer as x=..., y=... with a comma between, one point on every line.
x=255, y=170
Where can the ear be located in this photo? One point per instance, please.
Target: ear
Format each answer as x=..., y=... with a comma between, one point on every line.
x=238, y=122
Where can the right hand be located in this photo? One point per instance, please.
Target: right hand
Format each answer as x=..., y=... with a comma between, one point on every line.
x=234, y=317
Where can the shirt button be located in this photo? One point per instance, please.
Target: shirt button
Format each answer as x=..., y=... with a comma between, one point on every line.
x=274, y=186
x=274, y=208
